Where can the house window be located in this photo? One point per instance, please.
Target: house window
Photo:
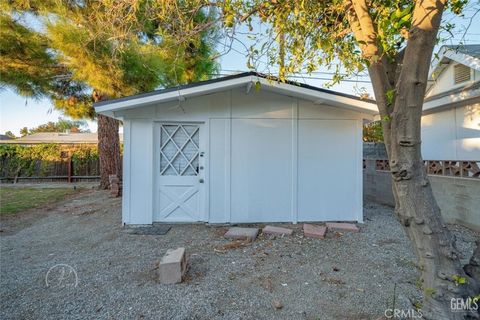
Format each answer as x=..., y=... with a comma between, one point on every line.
x=461, y=73
x=179, y=150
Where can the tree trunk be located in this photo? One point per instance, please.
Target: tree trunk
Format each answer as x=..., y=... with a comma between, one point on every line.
x=473, y=267
x=108, y=146
x=416, y=207
x=108, y=149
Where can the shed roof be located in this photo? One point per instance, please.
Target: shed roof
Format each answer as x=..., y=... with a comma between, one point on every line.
x=247, y=79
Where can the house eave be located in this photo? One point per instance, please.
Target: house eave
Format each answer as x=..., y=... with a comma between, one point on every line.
x=445, y=102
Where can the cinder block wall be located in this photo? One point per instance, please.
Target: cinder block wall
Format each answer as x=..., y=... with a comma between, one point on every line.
x=458, y=198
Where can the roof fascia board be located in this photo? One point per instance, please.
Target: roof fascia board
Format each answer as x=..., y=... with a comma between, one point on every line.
x=323, y=97
x=451, y=54
x=464, y=59
x=450, y=101
x=173, y=95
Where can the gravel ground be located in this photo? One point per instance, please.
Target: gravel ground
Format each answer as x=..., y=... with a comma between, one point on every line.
x=346, y=276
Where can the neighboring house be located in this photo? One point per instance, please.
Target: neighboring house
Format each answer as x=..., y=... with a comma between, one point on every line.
x=451, y=112
x=241, y=149
x=4, y=137
x=57, y=138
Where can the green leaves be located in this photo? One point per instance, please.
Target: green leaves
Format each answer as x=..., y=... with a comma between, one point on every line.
x=459, y=280
x=390, y=96
x=116, y=47
x=373, y=132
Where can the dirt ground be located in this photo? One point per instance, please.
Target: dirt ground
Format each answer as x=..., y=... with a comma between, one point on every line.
x=107, y=273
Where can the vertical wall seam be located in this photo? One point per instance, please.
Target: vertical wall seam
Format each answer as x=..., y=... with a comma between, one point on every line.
x=295, y=161
x=228, y=160
x=359, y=169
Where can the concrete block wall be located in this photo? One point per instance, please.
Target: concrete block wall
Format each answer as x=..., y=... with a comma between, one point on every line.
x=458, y=198
x=374, y=150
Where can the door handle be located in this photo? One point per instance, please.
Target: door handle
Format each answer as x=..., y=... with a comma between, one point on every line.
x=201, y=180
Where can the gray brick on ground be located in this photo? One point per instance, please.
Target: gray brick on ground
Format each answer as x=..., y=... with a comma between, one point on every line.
x=173, y=266
x=237, y=233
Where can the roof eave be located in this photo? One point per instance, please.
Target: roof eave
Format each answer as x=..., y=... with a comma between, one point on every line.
x=365, y=106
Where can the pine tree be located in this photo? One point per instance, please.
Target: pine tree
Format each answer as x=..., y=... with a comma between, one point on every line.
x=75, y=53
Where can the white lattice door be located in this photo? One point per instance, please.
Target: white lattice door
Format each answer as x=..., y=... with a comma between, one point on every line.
x=181, y=163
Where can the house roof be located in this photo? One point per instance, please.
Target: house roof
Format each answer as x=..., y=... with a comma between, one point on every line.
x=5, y=137
x=248, y=79
x=468, y=55
x=56, y=137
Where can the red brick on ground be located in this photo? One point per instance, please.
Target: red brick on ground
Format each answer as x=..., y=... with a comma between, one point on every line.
x=342, y=226
x=277, y=230
x=313, y=231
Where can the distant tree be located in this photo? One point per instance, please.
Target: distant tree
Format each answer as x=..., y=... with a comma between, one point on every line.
x=10, y=134
x=372, y=132
x=95, y=50
x=24, y=131
x=61, y=125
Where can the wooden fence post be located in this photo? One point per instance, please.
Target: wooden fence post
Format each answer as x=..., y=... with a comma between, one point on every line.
x=70, y=163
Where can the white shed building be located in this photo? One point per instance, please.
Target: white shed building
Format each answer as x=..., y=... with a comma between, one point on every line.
x=241, y=149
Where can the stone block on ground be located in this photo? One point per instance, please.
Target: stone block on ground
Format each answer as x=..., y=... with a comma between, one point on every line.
x=342, y=226
x=249, y=234
x=173, y=266
x=313, y=231
x=277, y=231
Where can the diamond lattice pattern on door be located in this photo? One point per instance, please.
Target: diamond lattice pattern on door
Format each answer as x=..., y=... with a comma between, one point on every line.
x=179, y=150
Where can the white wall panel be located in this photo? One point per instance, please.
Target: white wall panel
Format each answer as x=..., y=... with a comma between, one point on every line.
x=468, y=132
x=219, y=158
x=261, y=167
x=328, y=170
x=260, y=104
x=141, y=172
x=308, y=110
x=452, y=134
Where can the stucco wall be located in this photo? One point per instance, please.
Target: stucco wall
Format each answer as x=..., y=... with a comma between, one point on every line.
x=458, y=198
x=452, y=134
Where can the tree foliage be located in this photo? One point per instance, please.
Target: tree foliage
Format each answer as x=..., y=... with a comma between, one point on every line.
x=10, y=134
x=61, y=125
x=319, y=33
x=372, y=132
x=40, y=159
x=63, y=49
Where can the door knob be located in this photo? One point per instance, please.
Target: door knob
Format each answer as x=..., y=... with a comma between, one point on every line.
x=201, y=180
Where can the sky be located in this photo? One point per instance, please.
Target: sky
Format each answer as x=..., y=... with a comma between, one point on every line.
x=17, y=112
